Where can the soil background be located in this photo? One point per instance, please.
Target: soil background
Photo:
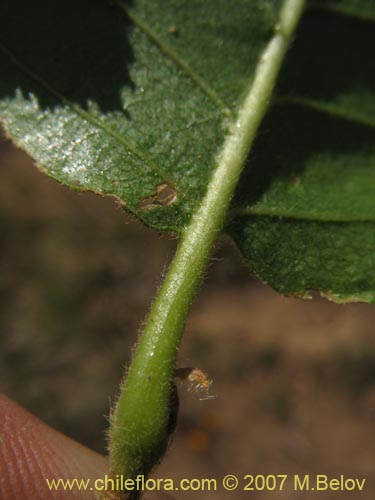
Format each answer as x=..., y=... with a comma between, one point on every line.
x=293, y=387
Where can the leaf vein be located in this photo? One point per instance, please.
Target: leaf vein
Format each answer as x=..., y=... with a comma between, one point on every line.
x=285, y=214
x=343, y=10
x=329, y=109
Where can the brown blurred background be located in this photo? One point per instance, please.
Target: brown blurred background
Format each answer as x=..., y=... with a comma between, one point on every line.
x=294, y=381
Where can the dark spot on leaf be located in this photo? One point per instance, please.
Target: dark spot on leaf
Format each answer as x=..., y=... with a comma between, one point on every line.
x=165, y=195
x=172, y=30
x=294, y=180
x=147, y=203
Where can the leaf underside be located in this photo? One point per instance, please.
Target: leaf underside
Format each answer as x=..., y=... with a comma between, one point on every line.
x=136, y=100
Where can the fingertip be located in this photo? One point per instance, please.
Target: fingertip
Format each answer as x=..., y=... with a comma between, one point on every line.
x=32, y=452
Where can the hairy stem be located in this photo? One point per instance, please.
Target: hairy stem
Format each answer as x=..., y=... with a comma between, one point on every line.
x=141, y=420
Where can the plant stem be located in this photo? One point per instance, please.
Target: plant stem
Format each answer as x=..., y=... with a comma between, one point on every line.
x=139, y=426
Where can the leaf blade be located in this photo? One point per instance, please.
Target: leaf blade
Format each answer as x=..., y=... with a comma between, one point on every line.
x=157, y=126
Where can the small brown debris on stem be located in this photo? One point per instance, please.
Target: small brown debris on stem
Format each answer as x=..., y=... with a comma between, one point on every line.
x=197, y=380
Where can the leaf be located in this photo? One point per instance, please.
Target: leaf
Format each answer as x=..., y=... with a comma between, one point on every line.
x=136, y=101
x=308, y=221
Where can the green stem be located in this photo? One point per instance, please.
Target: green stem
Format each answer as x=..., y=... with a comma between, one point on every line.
x=139, y=427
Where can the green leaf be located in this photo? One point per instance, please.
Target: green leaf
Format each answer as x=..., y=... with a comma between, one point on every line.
x=136, y=101
x=306, y=206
